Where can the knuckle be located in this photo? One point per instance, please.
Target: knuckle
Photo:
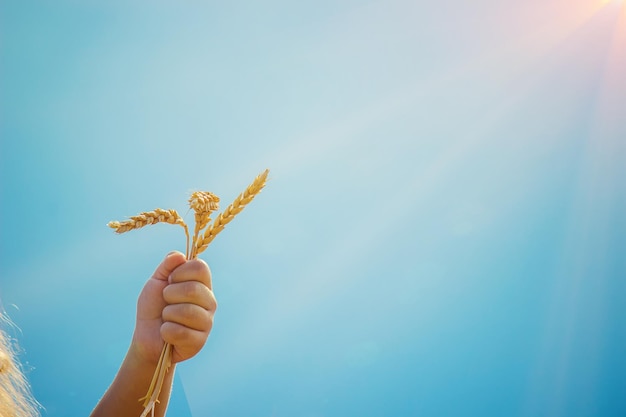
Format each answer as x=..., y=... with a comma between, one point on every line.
x=174, y=333
x=198, y=266
x=201, y=271
x=197, y=293
x=192, y=290
x=187, y=311
x=193, y=270
x=176, y=313
x=188, y=315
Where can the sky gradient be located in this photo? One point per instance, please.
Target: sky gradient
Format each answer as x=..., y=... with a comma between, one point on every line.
x=443, y=232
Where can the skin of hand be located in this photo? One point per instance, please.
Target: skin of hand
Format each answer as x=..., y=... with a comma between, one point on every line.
x=176, y=306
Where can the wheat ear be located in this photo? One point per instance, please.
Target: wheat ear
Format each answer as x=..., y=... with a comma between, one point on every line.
x=203, y=203
x=150, y=217
x=231, y=211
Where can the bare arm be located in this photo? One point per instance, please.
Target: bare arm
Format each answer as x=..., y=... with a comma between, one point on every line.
x=130, y=384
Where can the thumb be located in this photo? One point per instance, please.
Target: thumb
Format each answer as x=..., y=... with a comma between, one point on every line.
x=172, y=261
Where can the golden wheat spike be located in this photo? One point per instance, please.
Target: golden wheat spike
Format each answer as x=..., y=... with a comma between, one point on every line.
x=146, y=218
x=150, y=217
x=203, y=201
x=231, y=211
x=203, y=204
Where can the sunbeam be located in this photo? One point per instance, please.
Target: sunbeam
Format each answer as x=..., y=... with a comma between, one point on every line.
x=337, y=267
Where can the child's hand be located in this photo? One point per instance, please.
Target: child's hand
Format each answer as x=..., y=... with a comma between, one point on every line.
x=176, y=306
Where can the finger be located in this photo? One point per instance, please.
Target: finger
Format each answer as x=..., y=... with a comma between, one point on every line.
x=190, y=292
x=172, y=261
x=185, y=340
x=189, y=315
x=194, y=270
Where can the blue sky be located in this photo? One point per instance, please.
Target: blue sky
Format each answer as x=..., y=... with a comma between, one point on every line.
x=442, y=234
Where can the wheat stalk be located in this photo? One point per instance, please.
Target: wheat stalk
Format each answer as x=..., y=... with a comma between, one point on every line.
x=151, y=398
x=231, y=211
x=203, y=203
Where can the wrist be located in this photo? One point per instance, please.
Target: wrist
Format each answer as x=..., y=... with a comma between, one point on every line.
x=143, y=355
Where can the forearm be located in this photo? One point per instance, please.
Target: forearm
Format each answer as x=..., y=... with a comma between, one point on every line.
x=130, y=384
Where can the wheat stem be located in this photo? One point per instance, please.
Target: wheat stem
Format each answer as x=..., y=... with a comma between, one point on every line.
x=164, y=363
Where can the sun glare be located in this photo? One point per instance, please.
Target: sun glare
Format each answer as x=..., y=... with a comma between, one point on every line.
x=615, y=3
x=621, y=4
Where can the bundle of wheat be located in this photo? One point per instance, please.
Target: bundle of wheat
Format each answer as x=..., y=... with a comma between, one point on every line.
x=203, y=203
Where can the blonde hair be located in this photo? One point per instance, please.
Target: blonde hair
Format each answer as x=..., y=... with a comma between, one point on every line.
x=16, y=399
